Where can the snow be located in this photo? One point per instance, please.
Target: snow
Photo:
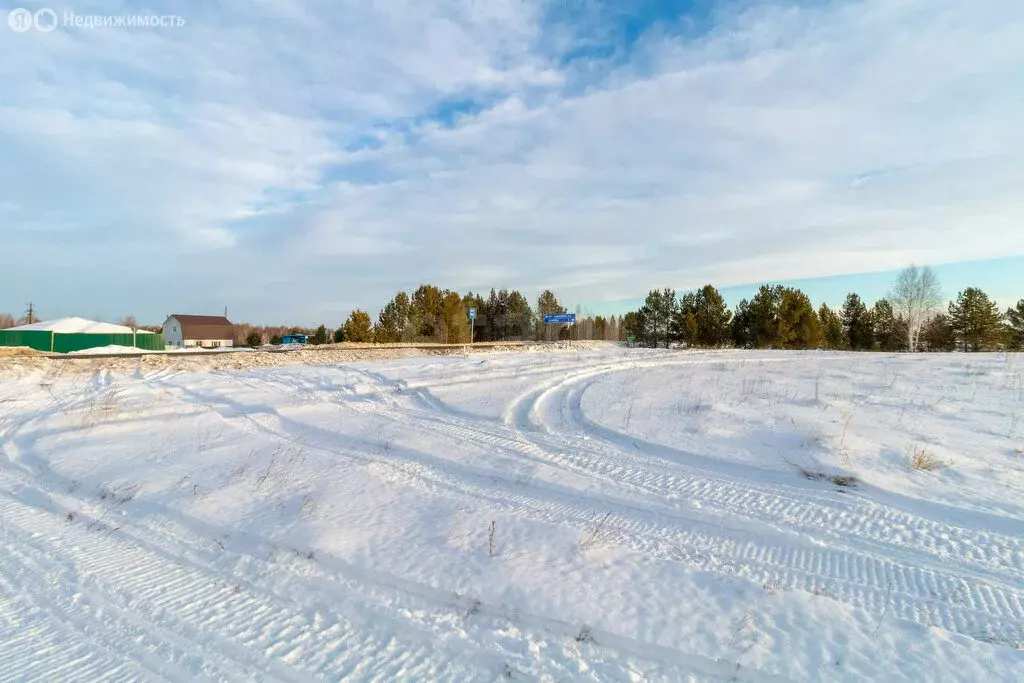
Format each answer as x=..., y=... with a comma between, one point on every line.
x=114, y=349
x=580, y=515
x=78, y=326
x=284, y=347
x=110, y=349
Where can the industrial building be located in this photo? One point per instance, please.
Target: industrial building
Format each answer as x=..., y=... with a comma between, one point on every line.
x=66, y=335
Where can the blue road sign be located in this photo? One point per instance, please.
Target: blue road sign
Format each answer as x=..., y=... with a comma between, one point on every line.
x=472, y=314
x=559, y=318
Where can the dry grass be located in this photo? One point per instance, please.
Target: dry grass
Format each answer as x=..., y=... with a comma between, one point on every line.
x=18, y=351
x=331, y=354
x=1008, y=638
x=921, y=459
x=416, y=345
x=844, y=480
x=594, y=537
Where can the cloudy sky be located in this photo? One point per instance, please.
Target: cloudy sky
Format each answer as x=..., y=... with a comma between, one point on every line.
x=293, y=160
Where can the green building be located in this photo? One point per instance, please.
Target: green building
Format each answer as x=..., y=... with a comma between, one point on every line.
x=66, y=335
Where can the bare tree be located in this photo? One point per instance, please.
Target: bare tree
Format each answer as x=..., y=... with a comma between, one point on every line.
x=6, y=320
x=914, y=297
x=129, y=321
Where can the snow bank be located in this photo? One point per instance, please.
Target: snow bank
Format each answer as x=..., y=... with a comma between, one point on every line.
x=110, y=350
x=74, y=325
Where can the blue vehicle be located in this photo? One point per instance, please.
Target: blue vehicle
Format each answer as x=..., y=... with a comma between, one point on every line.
x=294, y=339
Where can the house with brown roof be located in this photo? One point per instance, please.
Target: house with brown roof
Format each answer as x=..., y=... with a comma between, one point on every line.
x=205, y=331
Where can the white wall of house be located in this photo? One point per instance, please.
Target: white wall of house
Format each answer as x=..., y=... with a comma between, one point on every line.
x=172, y=332
x=209, y=343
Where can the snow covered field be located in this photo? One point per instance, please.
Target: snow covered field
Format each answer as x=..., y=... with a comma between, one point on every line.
x=605, y=514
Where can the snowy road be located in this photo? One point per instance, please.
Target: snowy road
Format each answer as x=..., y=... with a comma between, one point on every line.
x=592, y=515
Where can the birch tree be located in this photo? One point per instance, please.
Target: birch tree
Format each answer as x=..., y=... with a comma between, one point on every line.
x=915, y=296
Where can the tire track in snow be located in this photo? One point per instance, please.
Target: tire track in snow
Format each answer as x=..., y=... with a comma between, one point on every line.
x=948, y=599
x=587, y=448
x=34, y=652
x=627, y=656
x=80, y=635
x=843, y=514
x=488, y=646
x=237, y=635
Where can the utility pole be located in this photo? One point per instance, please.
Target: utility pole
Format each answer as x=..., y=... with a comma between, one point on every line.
x=30, y=314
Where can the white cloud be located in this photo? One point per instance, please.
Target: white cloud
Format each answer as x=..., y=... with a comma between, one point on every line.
x=787, y=142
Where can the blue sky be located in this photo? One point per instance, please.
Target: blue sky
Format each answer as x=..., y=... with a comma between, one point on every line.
x=999, y=278
x=294, y=160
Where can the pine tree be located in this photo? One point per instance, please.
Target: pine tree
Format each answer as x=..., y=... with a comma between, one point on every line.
x=798, y=323
x=683, y=322
x=276, y=340
x=393, y=320
x=713, y=317
x=937, y=334
x=763, y=314
x=657, y=314
x=612, y=333
x=358, y=327
x=833, y=335
x=254, y=339
x=319, y=336
x=740, y=330
x=1008, y=338
x=339, y=335
x=630, y=327
x=857, y=323
x=1015, y=319
x=888, y=330
x=547, y=304
x=645, y=334
x=519, y=316
x=480, y=324
x=691, y=331
x=426, y=313
x=495, y=316
x=454, y=319
x=976, y=320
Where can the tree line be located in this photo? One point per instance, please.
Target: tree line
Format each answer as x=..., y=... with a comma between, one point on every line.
x=910, y=317
x=434, y=315
x=779, y=317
